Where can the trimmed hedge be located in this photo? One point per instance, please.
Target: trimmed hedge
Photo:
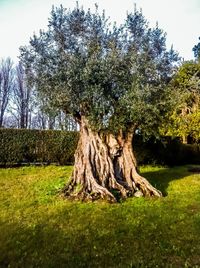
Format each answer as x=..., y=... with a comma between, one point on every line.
x=31, y=146
x=19, y=146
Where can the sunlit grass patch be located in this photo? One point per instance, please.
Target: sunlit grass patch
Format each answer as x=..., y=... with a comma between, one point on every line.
x=38, y=228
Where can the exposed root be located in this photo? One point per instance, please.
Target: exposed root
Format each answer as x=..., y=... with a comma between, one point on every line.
x=105, y=168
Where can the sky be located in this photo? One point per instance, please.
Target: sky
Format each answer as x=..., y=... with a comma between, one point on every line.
x=180, y=19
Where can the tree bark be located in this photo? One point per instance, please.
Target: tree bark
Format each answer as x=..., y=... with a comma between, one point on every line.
x=105, y=168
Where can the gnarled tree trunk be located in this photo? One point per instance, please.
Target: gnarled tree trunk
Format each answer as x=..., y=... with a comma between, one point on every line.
x=105, y=168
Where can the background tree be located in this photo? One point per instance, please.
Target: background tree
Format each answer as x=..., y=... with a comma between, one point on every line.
x=22, y=99
x=184, y=121
x=45, y=116
x=113, y=81
x=196, y=50
x=6, y=85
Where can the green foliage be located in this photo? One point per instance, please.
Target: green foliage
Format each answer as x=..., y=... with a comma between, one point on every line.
x=196, y=50
x=184, y=120
x=22, y=145
x=165, y=151
x=115, y=76
x=40, y=229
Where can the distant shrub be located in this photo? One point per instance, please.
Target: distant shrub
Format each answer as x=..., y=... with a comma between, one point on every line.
x=22, y=145
x=166, y=151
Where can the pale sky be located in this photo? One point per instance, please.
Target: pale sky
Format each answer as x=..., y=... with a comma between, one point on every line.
x=180, y=19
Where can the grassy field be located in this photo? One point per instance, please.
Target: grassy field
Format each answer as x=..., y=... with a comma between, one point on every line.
x=40, y=229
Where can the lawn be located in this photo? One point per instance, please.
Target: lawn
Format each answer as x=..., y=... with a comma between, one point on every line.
x=38, y=228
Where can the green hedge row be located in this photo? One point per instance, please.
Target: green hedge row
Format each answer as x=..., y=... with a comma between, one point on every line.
x=28, y=146
x=19, y=146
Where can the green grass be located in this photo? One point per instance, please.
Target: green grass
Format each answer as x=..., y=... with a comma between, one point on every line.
x=40, y=229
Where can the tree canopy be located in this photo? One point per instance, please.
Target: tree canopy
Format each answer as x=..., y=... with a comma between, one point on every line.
x=116, y=76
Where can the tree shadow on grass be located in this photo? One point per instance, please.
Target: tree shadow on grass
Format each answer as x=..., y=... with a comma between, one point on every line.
x=95, y=235
x=136, y=233
x=161, y=178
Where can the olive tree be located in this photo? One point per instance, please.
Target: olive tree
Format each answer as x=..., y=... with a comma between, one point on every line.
x=113, y=81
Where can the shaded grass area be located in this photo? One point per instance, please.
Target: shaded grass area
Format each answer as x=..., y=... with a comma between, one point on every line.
x=40, y=229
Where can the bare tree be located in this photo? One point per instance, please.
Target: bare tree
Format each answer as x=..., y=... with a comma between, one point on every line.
x=23, y=106
x=66, y=122
x=6, y=85
x=41, y=120
x=46, y=116
x=10, y=120
x=21, y=98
